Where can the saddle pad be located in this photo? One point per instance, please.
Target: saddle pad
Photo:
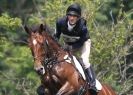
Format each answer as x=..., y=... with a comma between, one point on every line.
x=79, y=67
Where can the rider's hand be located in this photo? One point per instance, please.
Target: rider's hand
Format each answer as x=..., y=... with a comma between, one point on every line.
x=68, y=47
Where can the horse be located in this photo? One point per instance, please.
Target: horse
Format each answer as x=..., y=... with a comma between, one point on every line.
x=58, y=76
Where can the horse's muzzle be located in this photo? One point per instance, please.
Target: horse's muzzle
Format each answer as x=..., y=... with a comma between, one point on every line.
x=40, y=70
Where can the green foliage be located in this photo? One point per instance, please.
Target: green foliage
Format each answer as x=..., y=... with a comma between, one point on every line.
x=9, y=23
x=17, y=74
x=16, y=61
x=110, y=27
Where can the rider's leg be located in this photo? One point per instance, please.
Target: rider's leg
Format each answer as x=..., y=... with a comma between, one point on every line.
x=90, y=75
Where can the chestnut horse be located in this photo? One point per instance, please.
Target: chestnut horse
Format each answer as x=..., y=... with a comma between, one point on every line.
x=58, y=76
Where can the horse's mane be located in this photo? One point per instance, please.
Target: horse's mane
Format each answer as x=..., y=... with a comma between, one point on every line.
x=51, y=37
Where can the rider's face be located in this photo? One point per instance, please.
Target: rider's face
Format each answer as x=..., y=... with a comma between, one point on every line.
x=72, y=19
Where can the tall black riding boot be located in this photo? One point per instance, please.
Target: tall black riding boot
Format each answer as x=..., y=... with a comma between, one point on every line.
x=90, y=77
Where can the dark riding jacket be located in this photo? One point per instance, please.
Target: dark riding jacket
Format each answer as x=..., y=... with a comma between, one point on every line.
x=78, y=35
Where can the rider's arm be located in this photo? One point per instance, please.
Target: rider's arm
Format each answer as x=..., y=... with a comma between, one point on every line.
x=58, y=30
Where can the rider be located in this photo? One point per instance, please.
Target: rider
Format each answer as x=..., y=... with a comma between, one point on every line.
x=74, y=32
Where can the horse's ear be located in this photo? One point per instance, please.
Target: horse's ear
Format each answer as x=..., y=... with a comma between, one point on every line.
x=41, y=28
x=27, y=29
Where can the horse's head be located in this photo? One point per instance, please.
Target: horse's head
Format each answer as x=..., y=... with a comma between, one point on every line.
x=36, y=43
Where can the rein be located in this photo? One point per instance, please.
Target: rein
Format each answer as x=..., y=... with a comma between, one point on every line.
x=50, y=61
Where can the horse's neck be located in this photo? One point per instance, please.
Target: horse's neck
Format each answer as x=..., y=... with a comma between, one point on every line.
x=54, y=48
x=53, y=45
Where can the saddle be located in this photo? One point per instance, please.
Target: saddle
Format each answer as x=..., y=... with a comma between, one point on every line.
x=80, y=68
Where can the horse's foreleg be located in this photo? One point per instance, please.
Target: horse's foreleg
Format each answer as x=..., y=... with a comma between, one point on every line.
x=66, y=89
x=41, y=90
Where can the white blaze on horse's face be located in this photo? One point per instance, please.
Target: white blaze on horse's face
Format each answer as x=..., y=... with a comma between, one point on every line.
x=34, y=42
x=38, y=68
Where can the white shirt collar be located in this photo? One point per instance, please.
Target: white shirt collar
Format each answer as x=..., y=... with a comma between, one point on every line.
x=70, y=27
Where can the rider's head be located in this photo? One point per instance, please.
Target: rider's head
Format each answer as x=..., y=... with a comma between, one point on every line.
x=73, y=13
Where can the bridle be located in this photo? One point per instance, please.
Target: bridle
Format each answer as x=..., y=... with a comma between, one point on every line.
x=50, y=61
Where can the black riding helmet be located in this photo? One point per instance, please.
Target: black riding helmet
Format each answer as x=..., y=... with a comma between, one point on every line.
x=74, y=9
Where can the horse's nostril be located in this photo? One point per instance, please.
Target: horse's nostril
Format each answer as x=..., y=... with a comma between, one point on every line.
x=41, y=68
